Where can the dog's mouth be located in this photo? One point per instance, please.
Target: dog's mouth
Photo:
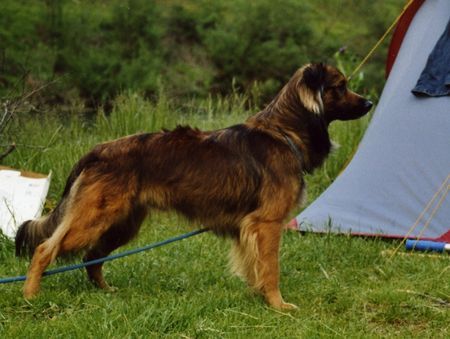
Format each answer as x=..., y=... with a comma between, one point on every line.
x=351, y=112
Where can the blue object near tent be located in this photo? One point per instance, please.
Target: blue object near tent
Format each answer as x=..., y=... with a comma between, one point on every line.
x=426, y=245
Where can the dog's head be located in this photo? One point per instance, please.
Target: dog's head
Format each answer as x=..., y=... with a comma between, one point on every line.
x=322, y=89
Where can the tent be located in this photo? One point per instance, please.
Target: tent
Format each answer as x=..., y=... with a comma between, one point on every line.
x=404, y=156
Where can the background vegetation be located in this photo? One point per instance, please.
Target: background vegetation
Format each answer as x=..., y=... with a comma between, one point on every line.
x=95, y=50
x=75, y=73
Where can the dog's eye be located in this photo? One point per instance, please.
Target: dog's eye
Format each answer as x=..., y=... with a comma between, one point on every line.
x=341, y=89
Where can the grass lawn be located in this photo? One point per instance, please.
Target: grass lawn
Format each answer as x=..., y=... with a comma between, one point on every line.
x=344, y=286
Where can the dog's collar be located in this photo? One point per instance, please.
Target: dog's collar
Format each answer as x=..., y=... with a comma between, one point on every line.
x=293, y=148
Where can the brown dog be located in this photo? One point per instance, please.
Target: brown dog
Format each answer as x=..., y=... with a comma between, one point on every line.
x=240, y=182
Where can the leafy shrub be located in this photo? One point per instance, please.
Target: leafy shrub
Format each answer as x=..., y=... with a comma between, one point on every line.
x=266, y=44
x=98, y=49
x=19, y=40
x=105, y=55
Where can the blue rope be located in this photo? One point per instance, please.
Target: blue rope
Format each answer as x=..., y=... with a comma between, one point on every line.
x=108, y=258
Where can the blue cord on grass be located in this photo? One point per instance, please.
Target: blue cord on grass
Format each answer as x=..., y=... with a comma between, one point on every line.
x=108, y=258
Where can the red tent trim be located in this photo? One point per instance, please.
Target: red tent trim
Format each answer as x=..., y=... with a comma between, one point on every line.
x=399, y=33
x=293, y=225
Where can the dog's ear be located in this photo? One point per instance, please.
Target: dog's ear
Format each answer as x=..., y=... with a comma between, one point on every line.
x=311, y=87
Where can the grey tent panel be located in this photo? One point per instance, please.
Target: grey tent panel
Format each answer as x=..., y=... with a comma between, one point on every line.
x=404, y=156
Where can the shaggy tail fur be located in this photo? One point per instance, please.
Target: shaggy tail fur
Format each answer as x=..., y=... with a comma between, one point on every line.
x=34, y=232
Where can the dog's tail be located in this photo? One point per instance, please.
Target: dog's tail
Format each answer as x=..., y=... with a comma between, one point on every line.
x=34, y=232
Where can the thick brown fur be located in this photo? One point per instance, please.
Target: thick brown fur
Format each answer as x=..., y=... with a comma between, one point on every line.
x=240, y=182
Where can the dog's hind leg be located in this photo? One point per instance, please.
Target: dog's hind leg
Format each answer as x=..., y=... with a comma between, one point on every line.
x=43, y=256
x=41, y=259
x=90, y=215
x=94, y=272
x=116, y=236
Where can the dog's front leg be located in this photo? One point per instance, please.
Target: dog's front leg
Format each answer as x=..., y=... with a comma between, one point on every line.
x=255, y=258
x=268, y=237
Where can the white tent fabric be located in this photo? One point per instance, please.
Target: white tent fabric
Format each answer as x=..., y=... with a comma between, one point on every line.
x=404, y=156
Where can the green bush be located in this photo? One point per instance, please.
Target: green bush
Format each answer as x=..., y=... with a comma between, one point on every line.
x=99, y=49
x=21, y=42
x=105, y=55
x=266, y=44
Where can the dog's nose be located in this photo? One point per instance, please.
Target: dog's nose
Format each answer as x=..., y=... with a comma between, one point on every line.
x=368, y=104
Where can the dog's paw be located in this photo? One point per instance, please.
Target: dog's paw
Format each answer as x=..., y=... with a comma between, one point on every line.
x=29, y=295
x=110, y=289
x=30, y=292
x=283, y=306
x=287, y=306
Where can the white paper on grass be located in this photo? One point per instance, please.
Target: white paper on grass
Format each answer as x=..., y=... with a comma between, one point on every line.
x=21, y=198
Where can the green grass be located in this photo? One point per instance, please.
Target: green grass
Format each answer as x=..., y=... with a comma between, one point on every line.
x=344, y=286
